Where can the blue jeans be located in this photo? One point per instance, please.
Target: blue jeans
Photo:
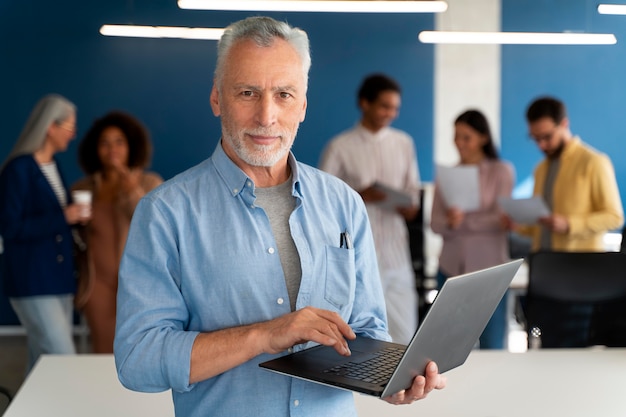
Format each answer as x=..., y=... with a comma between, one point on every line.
x=48, y=323
x=495, y=334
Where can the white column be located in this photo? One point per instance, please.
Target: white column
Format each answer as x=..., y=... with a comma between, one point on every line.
x=466, y=76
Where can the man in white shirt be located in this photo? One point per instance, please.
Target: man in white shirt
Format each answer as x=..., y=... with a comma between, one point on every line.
x=373, y=153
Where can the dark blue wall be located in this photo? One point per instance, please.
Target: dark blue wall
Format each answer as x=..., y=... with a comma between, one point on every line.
x=589, y=79
x=55, y=47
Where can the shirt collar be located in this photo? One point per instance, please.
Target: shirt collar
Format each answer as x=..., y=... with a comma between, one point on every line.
x=570, y=147
x=236, y=180
x=296, y=189
x=369, y=135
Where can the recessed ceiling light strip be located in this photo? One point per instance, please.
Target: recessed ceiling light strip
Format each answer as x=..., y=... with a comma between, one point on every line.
x=371, y=6
x=517, y=38
x=161, y=32
x=612, y=8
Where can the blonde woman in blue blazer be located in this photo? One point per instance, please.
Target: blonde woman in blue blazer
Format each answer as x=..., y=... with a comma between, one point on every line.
x=36, y=215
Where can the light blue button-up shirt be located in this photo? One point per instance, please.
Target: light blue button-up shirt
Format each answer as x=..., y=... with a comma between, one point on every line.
x=201, y=256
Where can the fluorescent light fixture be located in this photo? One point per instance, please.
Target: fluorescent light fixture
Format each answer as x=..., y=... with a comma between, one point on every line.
x=517, y=38
x=161, y=32
x=353, y=6
x=612, y=8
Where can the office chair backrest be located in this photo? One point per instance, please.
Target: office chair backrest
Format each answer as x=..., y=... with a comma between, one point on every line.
x=578, y=276
x=4, y=392
x=577, y=299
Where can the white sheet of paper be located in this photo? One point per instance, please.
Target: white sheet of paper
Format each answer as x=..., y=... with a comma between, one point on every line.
x=459, y=186
x=524, y=210
x=395, y=198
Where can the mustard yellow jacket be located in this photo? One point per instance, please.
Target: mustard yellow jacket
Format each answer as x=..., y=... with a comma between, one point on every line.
x=586, y=193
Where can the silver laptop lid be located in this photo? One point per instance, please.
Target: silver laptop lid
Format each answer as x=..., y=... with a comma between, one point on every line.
x=453, y=323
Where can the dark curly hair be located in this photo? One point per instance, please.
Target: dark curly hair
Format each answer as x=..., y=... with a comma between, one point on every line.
x=139, y=146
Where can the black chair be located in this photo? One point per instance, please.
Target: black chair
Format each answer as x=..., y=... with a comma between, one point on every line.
x=5, y=392
x=416, y=245
x=576, y=299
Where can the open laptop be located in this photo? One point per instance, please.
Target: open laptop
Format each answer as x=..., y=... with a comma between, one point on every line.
x=446, y=335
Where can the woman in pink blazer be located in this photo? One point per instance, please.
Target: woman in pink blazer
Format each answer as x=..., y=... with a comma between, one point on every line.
x=477, y=239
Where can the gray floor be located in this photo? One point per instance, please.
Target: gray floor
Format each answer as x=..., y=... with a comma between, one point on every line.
x=12, y=365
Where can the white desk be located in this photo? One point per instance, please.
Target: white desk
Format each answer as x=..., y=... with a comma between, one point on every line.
x=542, y=383
x=573, y=383
x=83, y=386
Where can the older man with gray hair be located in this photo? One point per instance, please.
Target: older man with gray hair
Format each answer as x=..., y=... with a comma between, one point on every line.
x=237, y=260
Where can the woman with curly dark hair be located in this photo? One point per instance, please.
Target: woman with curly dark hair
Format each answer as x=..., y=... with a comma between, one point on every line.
x=114, y=154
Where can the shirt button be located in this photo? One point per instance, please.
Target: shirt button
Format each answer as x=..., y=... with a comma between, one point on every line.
x=296, y=402
x=290, y=350
x=59, y=258
x=235, y=191
x=59, y=238
x=270, y=250
x=280, y=300
x=249, y=184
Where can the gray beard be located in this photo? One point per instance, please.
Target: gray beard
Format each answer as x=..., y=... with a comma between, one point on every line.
x=260, y=155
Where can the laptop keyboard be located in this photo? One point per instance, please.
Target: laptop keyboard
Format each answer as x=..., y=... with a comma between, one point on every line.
x=376, y=370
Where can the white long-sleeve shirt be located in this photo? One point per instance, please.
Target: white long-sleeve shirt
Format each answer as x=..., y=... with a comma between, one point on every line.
x=361, y=158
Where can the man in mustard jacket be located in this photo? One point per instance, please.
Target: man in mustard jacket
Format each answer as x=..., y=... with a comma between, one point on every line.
x=576, y=181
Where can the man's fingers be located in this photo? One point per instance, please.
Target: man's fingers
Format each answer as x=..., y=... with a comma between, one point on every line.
x=332, y=326
x=343, y=329
x=421, y=386
x=309, y=325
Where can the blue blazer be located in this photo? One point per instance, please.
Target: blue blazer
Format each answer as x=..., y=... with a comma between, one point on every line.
x=38, y=245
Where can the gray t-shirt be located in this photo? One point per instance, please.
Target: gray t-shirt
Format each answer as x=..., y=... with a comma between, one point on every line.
x=278, y=204
x=548, y=190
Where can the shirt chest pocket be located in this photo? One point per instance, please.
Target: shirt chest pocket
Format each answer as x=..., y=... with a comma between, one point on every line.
x=340, y=282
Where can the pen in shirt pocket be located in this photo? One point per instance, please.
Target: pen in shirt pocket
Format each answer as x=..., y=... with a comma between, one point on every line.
x=344, y=240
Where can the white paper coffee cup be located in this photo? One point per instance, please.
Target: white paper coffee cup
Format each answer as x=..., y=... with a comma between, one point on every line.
x=83, y=198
